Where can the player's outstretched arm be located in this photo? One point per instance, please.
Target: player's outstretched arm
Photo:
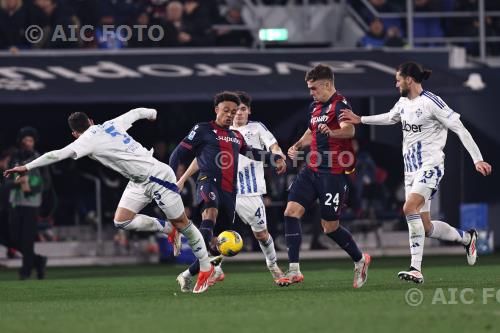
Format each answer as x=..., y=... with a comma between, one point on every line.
x=127, y=119
x=46, y=159
x=193, y=168
x=388, y=118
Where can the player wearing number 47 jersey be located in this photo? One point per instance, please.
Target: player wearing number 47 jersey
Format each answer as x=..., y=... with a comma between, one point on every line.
x=149, y=179
x=251, y=184
x=425, y=120
x=325, y=176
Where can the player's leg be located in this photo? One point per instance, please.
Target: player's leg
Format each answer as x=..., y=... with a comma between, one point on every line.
x=333, y=191
x=163, y=190
x=252, y=211
x=445, y=232
x=414, y=202
x=301, y=194
x=133, y=200
x=208, y=197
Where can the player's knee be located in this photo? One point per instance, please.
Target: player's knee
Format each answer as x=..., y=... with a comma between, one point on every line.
x=122, y=224
x=410, y=208
x=330, y=226
x=261, y=235
x=294, y=211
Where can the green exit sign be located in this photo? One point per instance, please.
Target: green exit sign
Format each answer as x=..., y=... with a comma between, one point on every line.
x=273, y=35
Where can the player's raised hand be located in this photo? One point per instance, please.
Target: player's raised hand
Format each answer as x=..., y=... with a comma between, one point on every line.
x=280, y=166
x=323, y=128
x=349, y=117
x=483, y=168
x=21, y=170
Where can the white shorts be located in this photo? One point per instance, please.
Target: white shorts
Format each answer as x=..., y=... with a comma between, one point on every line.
x=424, y=182
x=251, y=210
x=159, y=186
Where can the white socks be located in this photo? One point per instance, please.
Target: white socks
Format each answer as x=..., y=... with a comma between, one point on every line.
x=443, y=231
x=416, y=233
x=145, y=223
x=267, y=248
x=294, y=266
x=197, y=244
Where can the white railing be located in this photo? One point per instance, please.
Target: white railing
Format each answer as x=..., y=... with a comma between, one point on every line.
x=410, y=14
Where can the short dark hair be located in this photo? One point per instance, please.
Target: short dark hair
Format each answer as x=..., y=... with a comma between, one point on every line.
x=244, y=98
x=78, y=122
x=414, y=70
x=226, y=96
x=320, y=72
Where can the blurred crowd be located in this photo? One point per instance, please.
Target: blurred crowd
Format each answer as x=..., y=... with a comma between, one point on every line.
x=184, y=23
x=205, y=23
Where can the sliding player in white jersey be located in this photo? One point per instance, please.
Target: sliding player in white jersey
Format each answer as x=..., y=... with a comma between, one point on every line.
x=250, y=185
x=425, y=120
x=149, y=179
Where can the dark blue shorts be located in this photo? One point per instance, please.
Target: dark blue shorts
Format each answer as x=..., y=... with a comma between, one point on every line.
x=209, y=194
x=330, y=189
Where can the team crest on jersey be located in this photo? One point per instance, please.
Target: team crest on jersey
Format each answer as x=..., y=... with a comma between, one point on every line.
x=419, y=113
x=211, y=195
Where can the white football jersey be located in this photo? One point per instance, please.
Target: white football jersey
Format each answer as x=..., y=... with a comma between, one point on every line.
x=110, y=145
x=251, y=173
x=425, y=121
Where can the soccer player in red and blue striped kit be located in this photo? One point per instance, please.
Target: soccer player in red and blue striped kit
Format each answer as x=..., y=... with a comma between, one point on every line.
x=216, y=148
x=324, y=177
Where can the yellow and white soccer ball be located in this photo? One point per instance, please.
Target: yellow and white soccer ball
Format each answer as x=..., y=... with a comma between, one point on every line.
x=229, y=243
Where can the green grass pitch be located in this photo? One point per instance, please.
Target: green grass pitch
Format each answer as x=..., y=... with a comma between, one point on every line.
x=146, y=299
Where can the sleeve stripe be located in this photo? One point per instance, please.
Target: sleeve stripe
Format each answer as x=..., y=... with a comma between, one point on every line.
x=434, y=99
x=186, y=145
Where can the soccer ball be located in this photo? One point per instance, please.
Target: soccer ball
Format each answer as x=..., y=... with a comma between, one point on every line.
x=229, y=243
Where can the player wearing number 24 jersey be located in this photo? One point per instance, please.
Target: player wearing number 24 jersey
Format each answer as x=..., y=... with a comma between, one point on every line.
x=325, y=176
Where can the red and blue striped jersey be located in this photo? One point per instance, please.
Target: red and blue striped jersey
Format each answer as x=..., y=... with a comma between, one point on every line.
x=329, y=155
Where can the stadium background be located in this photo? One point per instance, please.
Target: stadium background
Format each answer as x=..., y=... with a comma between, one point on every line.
x=179, y=80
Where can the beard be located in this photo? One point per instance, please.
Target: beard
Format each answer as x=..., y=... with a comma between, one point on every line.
x=404, y=92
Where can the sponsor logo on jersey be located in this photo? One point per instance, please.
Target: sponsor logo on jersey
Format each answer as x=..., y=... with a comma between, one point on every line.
x=411, y=128
x=228, y=139
x=320, y=119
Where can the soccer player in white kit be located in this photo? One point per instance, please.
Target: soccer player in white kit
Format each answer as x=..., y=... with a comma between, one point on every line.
x=251, y=184
x=149, y=179
x=425, y=120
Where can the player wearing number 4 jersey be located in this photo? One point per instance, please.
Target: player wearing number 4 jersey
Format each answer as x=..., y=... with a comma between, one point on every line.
x=325, y=176
x=251, y=184
x=149, y=179
x=425, y=120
